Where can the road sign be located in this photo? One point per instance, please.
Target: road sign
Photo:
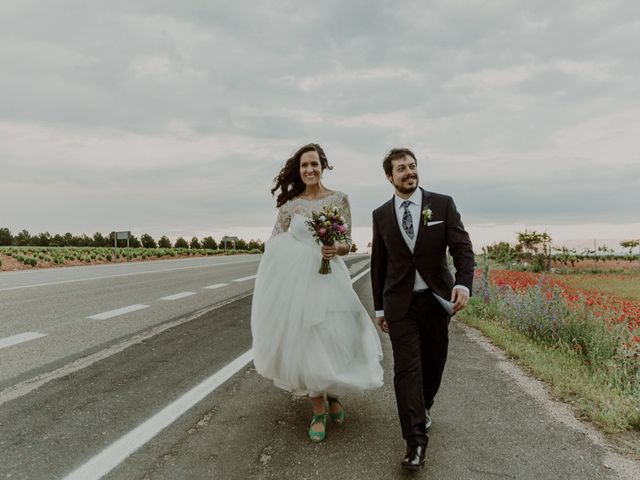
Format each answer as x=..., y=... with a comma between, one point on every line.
x=120, y=236
x=230, y=239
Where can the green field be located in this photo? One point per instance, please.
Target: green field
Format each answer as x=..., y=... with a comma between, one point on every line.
x=622, y=285
x=12, y=258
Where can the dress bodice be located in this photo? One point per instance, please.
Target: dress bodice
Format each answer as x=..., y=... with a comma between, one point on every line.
x=300, y=230
x=293, y=215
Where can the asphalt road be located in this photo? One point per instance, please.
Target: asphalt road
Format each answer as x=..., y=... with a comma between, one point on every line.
x=58, y=303
x=490, y=420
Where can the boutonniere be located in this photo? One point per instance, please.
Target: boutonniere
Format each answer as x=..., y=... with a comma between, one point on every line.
x=426, y=215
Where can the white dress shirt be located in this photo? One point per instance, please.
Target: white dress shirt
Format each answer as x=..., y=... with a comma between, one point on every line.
x=415, y=208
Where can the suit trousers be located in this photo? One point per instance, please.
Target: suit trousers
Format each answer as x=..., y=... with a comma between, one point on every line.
x=420, y=342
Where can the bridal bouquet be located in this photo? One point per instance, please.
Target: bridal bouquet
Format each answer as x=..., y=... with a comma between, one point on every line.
x=327, y=227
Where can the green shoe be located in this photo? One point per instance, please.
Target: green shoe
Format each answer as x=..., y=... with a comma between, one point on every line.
x=318, y=436
x=337, y=418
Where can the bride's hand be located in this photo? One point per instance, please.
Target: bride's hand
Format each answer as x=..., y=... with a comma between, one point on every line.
x=329, y=251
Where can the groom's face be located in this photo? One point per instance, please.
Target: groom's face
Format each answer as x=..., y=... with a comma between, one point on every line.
x=404, y=174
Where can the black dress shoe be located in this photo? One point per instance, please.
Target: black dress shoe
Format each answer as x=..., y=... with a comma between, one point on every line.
x=414, y=459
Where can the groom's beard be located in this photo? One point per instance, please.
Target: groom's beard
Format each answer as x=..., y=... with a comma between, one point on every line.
x=403, y=189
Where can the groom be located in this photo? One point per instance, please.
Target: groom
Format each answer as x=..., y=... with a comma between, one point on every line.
x=414, y=292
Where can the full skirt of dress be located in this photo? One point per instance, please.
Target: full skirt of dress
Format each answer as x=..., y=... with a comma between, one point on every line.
x=310, y=331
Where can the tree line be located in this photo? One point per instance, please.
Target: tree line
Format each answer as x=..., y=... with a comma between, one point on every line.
x=45, y=239
x=536, y=248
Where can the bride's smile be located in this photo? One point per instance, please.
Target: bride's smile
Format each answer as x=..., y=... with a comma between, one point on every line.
x=310, y=168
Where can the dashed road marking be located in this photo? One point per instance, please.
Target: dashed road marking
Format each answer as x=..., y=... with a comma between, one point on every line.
x=20, y=338
x=178, y=296
x=116, y=312
x=244, y=279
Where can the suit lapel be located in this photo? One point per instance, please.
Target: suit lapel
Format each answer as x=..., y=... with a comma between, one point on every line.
x=394, y=225
x=422, y=228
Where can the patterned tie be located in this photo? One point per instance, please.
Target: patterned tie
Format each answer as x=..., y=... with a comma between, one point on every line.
x=407, y=220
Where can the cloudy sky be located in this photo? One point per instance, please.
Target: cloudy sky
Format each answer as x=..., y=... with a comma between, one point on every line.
x=173, y=117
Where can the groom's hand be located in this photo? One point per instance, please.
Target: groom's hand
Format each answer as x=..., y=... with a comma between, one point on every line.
x=382, y=323
x=459, y=298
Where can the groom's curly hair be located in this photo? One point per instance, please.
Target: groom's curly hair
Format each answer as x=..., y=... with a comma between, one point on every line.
x=289, y=181
x=395, y=154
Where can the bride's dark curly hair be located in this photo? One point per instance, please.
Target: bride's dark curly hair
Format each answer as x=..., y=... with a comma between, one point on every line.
x=289, y=181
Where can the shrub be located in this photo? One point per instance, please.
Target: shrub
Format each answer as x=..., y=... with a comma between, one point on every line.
x=148, y=241
x=181, y=243
x=5, y=236
x=209, y=243
x=501, y=252
x=164, y=242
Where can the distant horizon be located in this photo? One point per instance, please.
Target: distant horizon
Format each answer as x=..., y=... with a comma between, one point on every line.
x=577, y=236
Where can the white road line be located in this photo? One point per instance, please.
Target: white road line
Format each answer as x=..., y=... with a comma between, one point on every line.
x=118, y=451
x=20, y=338
x=244, y=278
x=118, y=311
x=177, y=296
x=121, y=449
x=356, y=266
x=360, y=275
x=216, y=285
x=239, y=262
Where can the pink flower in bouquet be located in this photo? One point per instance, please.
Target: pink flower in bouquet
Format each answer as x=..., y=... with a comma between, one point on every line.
x=322, y=232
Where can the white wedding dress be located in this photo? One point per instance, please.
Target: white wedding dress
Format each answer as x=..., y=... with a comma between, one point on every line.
x=311, y=334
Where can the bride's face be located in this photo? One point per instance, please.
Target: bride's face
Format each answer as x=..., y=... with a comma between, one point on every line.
x=310, y=168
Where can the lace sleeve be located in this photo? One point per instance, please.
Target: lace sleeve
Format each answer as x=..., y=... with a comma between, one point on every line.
x=283, y=220
x=345, y=211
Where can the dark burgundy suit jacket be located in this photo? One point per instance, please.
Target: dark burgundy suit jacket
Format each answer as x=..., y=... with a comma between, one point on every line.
x=393, y=265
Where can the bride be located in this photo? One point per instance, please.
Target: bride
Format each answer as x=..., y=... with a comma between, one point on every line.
x=311, y=334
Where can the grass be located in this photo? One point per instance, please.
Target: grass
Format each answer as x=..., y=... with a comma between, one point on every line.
x=568, y=377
